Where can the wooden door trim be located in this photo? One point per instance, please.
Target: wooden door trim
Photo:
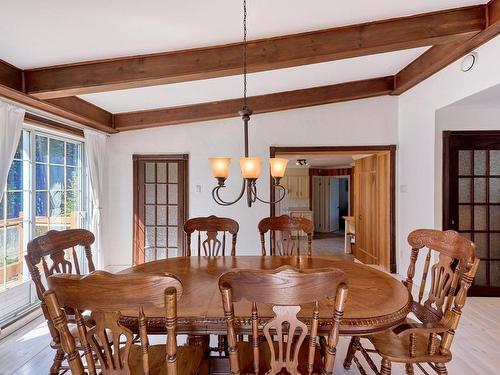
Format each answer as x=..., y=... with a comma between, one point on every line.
x=273, y=150
x=136, y=158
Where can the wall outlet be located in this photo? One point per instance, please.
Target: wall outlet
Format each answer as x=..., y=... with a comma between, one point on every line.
x=198, y=188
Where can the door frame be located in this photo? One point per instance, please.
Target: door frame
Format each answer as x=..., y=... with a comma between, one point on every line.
x=136, y=158
x=273, y=150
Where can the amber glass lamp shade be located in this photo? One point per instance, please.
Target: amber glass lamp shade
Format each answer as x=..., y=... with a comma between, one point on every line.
x=250, y=167
x=278, y=167
x=220, y=166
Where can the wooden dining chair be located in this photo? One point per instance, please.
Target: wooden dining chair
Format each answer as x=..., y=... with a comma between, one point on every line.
x=285, y=233
x=427, y=339
x=213, y=227
x=284, y=290
x=109, y=344
x=55, y=252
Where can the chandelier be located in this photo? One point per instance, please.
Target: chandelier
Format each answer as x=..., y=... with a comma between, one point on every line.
x=250, y=166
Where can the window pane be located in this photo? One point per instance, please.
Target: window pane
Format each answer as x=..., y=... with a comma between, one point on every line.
x=464, y=218
x=494, y=217
x=72, y=202
x=479, y=190
x=41, y=176
x=495, y=190
x=480, y=278
x=479, y=162
x=56, y=151
x=161, y=172
x=72, y=154
x=41, y=203
x=14, y=204
x=464, y=190
x=495, y=273
x=481, y=241
x=56, y=203
x=19, y=150
x=150, y=193
x=150, y=172
x=15, y=179
x=495, y=162
x=161, y=212
x=173, y=172
x=13, y=243
x=480, y=218
x=72, y=178
x=41, y=144
x=464, y=162
x=161, y=194
x=56, y=177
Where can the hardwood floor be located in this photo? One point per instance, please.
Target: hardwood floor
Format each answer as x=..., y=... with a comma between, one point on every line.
x=475, y=349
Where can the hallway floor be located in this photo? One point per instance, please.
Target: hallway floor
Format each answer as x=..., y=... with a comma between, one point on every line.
x=330, y=244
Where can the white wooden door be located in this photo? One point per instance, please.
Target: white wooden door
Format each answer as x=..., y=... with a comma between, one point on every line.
x=334, y=222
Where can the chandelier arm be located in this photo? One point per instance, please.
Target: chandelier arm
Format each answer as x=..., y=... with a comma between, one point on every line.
x=222, y=202
x=270, y=202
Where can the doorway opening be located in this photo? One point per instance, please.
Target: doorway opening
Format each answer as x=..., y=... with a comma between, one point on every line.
x=348, y=194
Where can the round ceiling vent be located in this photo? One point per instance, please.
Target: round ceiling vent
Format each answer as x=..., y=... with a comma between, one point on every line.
x=469, y=61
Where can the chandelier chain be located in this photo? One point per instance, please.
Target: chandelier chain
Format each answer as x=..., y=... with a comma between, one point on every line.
x=245, y=54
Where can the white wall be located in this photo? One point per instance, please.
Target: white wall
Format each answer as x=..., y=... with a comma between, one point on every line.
x=419, y=200
x=362, y=122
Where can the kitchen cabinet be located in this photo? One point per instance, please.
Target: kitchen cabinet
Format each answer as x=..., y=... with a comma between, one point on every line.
x=297, y=184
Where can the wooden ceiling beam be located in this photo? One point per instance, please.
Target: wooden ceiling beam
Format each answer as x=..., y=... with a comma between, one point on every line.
x=259, y=104
x=438, y=57
x=264, y=54
x=11, y=76
x=71, y=108
x=84, y=108
x=42, y=105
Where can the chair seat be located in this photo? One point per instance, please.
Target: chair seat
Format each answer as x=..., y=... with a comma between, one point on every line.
x=188, y=360
x=246, y=358
x=396, y=348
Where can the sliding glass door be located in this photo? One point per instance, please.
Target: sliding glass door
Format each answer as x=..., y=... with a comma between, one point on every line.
x=46, y=189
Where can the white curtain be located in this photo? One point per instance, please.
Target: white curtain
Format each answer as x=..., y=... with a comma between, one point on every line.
x=11, y=126
x=95, y=151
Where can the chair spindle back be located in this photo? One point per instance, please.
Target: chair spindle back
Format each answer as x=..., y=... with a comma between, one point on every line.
x=108, y=297
x=286, y=289
x=210, y=244
x=285, y=233
x=450, y=278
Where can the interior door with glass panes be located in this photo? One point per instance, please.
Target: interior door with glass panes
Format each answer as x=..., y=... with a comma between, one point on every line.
x=471, y=199
x=160, y=190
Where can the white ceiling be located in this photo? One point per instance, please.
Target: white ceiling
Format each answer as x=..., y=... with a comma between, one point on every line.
x=37, y=33
x=258, y=83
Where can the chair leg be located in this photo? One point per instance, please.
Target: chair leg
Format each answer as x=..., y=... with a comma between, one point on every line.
x=441, y=369
x=353, y=346
x=58, y=359
x=386, y=367
x=409, y=369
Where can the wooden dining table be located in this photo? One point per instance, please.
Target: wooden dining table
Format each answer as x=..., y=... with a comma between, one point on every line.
x=375, y=302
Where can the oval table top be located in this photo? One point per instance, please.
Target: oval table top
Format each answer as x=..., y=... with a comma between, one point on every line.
x=375, y=301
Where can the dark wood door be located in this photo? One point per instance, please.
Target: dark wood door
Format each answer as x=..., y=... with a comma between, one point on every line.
x=471, y=199
x=160, y=206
